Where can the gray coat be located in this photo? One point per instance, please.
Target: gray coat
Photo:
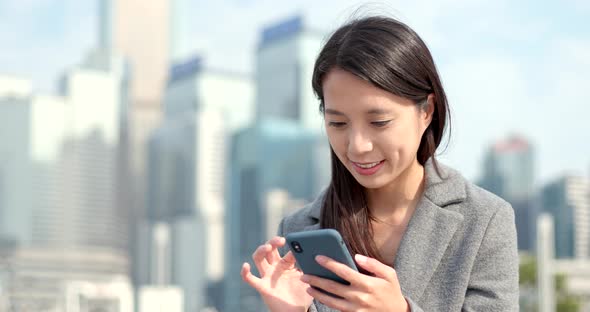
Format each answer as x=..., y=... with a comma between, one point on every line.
x=458, y=253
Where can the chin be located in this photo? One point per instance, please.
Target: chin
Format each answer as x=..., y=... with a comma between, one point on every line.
x=371, y=182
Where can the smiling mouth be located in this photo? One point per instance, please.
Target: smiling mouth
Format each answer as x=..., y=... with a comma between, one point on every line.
x=367, y=165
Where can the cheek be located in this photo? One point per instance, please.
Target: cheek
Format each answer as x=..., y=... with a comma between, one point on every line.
x=337, y=142
x=400, y=143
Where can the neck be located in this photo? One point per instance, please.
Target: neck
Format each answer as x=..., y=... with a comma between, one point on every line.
x=396, y=201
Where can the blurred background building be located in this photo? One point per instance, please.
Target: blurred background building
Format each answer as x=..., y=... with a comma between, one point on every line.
x=567, y=200
x=60, y=224
x=508, y=171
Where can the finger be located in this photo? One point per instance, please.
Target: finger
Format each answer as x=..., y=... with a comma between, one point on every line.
x=330, y=301
x=277, y=241
x=273, y=256
x=328, y=285
x=249, y=278
x=339, y=269
x=376, y=267
x=259, y=257
x=288, y=261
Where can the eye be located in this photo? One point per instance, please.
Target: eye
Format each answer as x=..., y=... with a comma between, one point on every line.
x=380, y=123
x=336, y=124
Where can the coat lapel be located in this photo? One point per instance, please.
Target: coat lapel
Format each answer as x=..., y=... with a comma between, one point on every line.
x=423, y=245
x=315, y=212
x=430, y=230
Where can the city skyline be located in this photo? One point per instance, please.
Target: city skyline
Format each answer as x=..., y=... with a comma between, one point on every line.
x=209, y=177
x=501, y=78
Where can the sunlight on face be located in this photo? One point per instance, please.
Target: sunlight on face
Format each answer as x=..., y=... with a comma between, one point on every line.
x=374, y=133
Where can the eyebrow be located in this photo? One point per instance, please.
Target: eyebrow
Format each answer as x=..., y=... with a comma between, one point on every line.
x=373, y=111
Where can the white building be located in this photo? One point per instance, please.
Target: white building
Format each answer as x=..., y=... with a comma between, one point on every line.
x=14, y=87
x=187, y=172
x=568, y=201
x=194, y=87
x=15, y=176
x=57, y=174
x=284, y=66
x=161, y=299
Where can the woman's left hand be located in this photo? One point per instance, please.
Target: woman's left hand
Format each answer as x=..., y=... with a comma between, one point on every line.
x=365, y=293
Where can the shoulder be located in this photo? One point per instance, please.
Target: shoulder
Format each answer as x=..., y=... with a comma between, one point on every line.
x=452, y=191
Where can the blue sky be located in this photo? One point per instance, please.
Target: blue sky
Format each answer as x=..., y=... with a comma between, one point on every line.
x=507, y=66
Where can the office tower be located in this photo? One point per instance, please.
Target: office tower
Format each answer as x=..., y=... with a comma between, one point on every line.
x=139, y=31
x=567, y=200
x=187, y=173
x=509, y=168
x=284, y=66
x=509, y=173
x=15, y=172
x=270, y=155
x=14, y=87
x=61, y=208
x=193, y=86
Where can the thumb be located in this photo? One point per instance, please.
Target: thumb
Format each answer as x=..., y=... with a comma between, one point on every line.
x=376, y=267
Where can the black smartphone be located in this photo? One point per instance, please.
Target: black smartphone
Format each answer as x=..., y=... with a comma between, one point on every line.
x=306, y=245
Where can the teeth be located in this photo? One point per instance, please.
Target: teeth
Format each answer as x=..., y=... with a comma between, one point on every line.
x=367, y=166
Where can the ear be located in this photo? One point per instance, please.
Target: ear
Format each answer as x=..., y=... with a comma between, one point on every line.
x=427, y=111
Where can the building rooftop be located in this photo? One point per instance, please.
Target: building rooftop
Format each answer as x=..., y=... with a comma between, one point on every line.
x=285, y=29
x=514, y=143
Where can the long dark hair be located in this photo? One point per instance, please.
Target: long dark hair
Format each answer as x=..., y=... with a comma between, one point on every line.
x=391, y=56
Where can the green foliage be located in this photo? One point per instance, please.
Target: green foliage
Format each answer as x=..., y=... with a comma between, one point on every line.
x=528, y=272
x=568, y=303
x=528, y=279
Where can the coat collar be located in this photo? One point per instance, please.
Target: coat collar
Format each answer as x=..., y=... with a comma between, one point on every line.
x=429, y=231
x=441, y=189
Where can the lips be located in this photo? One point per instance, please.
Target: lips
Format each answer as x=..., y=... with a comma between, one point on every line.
x=367, y=165
x=367, y=168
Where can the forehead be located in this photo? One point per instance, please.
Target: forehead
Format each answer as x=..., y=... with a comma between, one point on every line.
x=347, y=93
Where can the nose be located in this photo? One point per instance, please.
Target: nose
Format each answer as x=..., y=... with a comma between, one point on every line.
x=359, y=142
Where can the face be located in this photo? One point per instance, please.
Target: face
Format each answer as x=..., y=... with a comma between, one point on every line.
x=374, y=133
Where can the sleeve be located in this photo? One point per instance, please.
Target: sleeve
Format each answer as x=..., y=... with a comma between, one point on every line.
x=493, y=283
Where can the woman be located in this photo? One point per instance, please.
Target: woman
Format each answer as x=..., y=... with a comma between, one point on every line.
x=425, y=238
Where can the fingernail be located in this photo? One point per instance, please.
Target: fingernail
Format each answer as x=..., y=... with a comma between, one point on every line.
x=320, y=259
x=360, y=258
x=305, y=278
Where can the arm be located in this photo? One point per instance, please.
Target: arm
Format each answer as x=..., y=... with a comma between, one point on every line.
x=493, y=284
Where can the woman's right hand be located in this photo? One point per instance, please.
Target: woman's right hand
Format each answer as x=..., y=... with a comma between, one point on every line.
x=279, y=283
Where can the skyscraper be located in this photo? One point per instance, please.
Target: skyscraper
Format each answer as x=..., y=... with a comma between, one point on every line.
x=61, y=203
x=140, y=32
x=509, y=168
x=272, y=154
x=284, y=150
x=187, y=172
x=284, y=66
x=509, y=173
x=568, y=201
x=15, y=168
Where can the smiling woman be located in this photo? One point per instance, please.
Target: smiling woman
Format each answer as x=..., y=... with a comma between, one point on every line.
x=424, y=238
